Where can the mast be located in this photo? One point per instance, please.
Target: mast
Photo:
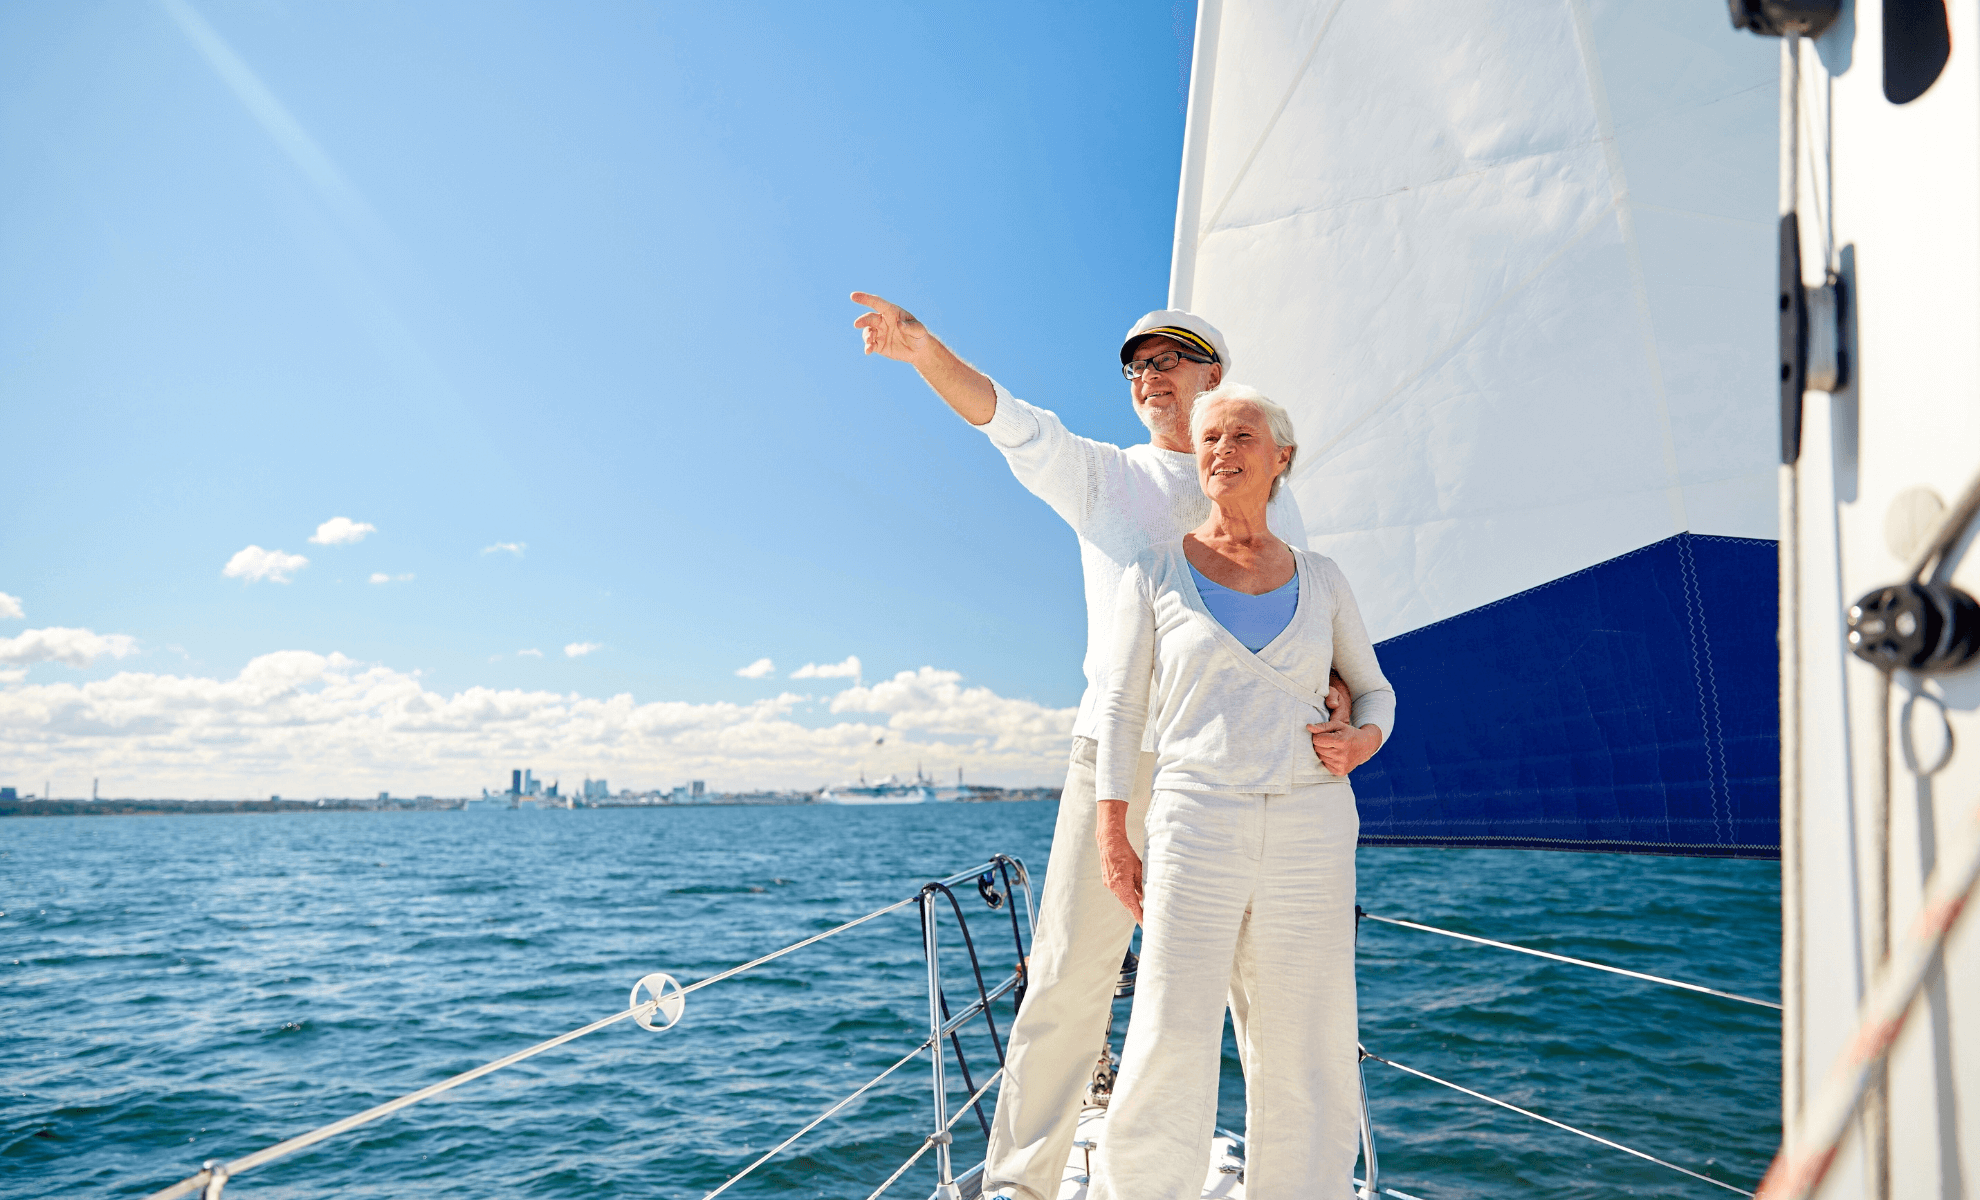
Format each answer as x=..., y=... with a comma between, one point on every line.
x=1880, y=270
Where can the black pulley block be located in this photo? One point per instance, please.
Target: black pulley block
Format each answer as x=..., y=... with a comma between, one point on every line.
x=1777, y=18
x=1928, y=627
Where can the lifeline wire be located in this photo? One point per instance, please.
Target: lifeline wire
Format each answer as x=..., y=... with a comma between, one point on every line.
x=820, y=1119
x=187, y=1186
x=1558, y=1125
x=280, y=1149
x=930, y=1141
x=1579, y=962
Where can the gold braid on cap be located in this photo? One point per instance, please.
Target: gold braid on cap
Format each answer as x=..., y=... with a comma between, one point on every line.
x=1182, y=335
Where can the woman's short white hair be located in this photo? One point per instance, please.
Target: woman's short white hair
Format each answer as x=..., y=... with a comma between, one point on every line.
x=1278, y=422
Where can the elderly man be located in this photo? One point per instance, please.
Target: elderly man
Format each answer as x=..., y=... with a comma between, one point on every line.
x=1120, y=502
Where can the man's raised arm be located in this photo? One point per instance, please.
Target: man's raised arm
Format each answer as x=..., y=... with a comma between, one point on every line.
x=892, y=331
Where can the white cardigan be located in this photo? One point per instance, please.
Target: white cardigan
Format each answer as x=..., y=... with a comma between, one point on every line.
x=1121, y=502
x=1221, y=720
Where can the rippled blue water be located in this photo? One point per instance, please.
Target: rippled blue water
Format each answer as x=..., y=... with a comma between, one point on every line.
x=174, y=989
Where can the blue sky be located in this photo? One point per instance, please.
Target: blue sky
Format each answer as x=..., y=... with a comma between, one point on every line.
x=570, y=278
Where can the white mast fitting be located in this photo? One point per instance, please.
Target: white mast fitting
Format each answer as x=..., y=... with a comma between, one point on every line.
x=1881, y=143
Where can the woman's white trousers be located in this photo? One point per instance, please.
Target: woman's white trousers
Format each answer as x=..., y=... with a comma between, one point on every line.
x=1255, y=893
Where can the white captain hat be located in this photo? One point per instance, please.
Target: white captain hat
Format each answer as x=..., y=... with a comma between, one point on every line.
x=1187, y=328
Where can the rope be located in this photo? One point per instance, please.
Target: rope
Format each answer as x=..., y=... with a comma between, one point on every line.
x=187, y=1186
x=1557, y=1124
x=1579, y=962
x=1010, y=898
x=983, y=993
x=1818, y=1128
x=930, y=1140
x=818, y=1120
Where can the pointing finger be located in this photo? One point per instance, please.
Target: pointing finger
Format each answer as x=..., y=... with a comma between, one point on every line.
x=874, y=302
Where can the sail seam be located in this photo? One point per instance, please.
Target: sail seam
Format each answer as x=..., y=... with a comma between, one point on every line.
x=1708, y=680
x=1598, y=95
x=1272, y=122
x=1490, y=168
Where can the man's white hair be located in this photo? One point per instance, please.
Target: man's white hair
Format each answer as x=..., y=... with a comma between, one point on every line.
x=1278, y=422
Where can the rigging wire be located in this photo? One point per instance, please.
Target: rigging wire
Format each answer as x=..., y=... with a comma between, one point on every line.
x=929, y=1141
x=1579, y=962
x=816, y=1121
x=1556, y=1124
x=192, y=1183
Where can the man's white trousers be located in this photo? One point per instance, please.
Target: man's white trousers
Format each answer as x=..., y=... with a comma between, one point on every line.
x=1256, y=893
x=1082, y=933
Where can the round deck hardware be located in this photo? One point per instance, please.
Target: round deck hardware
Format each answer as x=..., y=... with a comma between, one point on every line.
x=670, y=1003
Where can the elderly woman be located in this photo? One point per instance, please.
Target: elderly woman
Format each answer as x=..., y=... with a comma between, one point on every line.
x=1225, y=642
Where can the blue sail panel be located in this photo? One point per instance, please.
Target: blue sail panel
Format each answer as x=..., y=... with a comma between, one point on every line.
x=1631, y=707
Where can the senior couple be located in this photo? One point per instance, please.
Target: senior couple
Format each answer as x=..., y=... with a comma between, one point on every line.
x=1206, y=797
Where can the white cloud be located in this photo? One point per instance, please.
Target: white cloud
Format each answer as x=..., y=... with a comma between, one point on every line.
x=848, y=669
x=10, y=606
x=580, y=649
x=382, y=577
x=758, y=669
x=529, y=654
x=515, y=548
x=932, y=701
x=342, y=531
x=76, y=647
x=254, y=563
x=312, y=724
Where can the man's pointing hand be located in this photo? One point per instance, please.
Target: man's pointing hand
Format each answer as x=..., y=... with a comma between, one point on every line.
x=890, y=330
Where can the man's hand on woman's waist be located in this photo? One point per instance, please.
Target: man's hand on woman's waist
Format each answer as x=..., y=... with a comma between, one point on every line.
x=1341, y=747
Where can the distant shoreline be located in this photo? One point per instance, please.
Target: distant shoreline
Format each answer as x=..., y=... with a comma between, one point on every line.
x=173, y=808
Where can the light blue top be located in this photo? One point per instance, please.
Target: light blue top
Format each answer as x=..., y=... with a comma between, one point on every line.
x=1252, y=620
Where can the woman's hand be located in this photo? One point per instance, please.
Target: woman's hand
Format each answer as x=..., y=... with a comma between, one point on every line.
x=1120, y=866
x=1341, y=747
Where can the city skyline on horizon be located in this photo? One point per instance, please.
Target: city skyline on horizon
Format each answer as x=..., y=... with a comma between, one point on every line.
x=414, y=441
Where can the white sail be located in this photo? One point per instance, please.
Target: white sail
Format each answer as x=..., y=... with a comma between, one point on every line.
x=1511, y=267
x=1509, y=264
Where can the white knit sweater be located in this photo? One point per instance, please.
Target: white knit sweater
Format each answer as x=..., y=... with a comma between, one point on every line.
x=1120, y=502
x=1222, y=721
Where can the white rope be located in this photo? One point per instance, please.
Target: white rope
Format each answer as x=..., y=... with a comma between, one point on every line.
x=1818, y=1128
x=187, y=1186
x=815, y=1122
x=930, y=1141
x=1558, y=1124
x=1579, y=962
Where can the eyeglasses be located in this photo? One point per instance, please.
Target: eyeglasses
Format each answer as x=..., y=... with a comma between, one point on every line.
x=1165, y=361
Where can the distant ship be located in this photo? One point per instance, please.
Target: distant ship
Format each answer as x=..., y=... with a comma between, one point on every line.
x=890, y=789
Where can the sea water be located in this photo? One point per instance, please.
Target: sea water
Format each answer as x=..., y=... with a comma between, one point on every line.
x=174, y=989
